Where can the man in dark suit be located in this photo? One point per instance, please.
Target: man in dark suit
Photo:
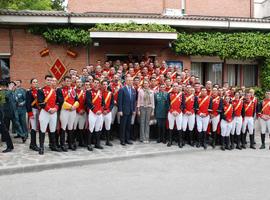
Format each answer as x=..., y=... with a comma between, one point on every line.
x=126, y=108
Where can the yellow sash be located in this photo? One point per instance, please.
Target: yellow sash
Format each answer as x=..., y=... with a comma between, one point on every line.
x=49, y=95
x=205, y=98
x=34, y=102
x=248, y=106
x=96, y=97
x=189, y=97
x=107, y=97
x=264, y=107
x=176, y=98
x=228, y=109
x=238, y=105
x=81, y=93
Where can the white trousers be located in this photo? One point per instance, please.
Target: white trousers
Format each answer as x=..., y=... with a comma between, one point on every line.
x=46, y=119
x=202, y=123
x=188, y=120
x=107, y=121
x=95, y=122
x=214, y=121
x=80, y=121
x=248, y=123
x=67, y=119
x=34, y=119
x=115, y=115
x=172, y=119
x=265, y=126
x=237, y=125
x=226, y=128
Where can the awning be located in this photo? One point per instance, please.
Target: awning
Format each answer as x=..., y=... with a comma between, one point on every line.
x=134, y=35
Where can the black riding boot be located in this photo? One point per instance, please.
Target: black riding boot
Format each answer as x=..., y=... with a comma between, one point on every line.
x=263, y=141
x=238, y=146
x=53, y=146
x=251, y=138
x=204, y=139
x=222, y=143
x=243, y=140
x=108, y=143
x=227, y=143
x=199, y=139
x=232, y=141
x=33, y=142
x=62, y=140
x=41, y=142
x=97, y=145
x=191, y=138
x=169, y=138
x=214, y=136
x=89, y=140
x=72, y=141
x=180, y=139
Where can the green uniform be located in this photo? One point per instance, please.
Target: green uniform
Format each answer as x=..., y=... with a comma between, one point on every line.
x=161, y=112
x=20, y=97
x=10, y=112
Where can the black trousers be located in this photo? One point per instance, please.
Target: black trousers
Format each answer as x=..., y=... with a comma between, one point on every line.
x=161, y=125
x=125, y=126
x=5, y=133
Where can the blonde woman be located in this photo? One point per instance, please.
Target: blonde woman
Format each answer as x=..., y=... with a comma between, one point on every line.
x=145, y=105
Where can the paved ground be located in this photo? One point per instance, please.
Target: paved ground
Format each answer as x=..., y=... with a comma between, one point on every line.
x=211, y=174
x=23, y=160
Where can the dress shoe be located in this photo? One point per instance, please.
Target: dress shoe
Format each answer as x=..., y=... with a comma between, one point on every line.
x=89, y=148
x=24, y=139
x=64, y=149
x=41, y=151
x=7, y=150
x=128, y=142
x=17, y=136
x=123, y=144
x=98, y=147
x=34, y=147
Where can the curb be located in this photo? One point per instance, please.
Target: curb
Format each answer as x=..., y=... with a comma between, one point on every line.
x=82, y=162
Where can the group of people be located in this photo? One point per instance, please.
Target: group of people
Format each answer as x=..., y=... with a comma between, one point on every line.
x=128, y=98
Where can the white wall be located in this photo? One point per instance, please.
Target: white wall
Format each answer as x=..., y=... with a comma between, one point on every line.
x=261, y=8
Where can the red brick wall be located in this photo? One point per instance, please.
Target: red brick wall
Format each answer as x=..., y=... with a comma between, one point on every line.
x=4, y=41
x=233, y=8
x=123, y=6
x=26, y=62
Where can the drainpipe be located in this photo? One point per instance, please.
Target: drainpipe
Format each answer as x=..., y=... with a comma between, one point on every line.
x=183, y=7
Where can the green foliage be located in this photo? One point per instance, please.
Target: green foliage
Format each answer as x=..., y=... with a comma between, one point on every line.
x=265, y=74
x=58, y=4
x=133, y=27
x=26, y=4
x=259, y=92
x=32, y=4
x=73, y=36
x=236, y=45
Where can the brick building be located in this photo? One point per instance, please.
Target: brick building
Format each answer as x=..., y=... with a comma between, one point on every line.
x=20, y=51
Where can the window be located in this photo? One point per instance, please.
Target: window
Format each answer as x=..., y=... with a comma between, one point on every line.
x=196, y=70
x=231, y=74
x=4, y=69
x=214, y=73
x=249, y=74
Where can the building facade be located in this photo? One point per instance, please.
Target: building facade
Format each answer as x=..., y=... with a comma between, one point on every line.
x=20, y=56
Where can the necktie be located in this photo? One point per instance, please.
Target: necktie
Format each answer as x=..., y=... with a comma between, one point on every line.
x=129, y=90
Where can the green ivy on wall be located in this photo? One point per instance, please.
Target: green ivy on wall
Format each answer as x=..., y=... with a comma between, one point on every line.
x=73, y=36
x=133, y=27
x=236, y=45
x=229, y=45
